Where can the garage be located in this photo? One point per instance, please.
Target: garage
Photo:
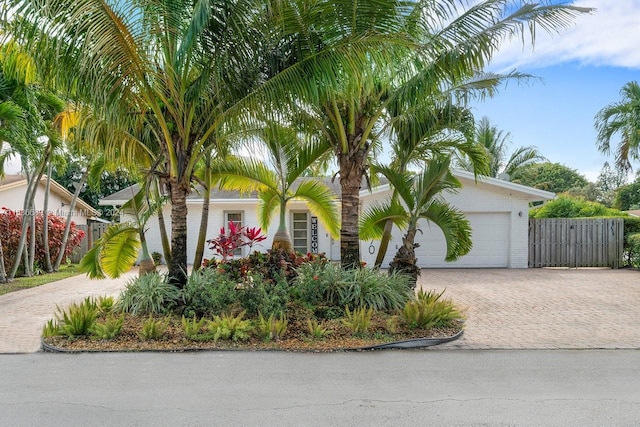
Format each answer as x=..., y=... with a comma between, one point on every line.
x=490, y=234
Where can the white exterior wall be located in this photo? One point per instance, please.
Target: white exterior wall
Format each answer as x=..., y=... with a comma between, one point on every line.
x=217, y=220
x=13, y=199
x=476, y=200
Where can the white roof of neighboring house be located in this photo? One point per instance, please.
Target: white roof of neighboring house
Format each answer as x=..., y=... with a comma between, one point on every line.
x=15, y=181
x=468, y=178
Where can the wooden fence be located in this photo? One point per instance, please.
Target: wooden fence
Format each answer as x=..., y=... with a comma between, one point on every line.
x=566, y=242
x=93, y=231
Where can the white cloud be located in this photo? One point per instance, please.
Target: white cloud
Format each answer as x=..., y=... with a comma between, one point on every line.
x=609, y=36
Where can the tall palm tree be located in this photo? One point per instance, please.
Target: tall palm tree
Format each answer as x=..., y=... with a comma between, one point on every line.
x=621, y=118
x=421, y=43
x=162, y=71
x=420, y=198
x=278, y=181
x=496, y=144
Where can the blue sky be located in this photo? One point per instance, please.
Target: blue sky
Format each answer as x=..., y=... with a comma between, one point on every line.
x=582, y=70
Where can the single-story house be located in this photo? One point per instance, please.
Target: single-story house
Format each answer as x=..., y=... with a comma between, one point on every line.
x=14, y=187
x=497, y=210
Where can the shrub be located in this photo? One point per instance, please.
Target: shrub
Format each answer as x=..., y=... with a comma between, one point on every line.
x=109, y=328
x=231, y=327
x=358, y=320
x=105, y=304
x=632, y=250
x=570, y=207
x=256, y=295
x=428, y=310
x=149, y=294
x=316, y=330
x=78, y=319
x=209, y=292
x=193, y=328
x=11, y=227
x=330, y=285
x=272, y=328
x=152, y=329
x=156, y=257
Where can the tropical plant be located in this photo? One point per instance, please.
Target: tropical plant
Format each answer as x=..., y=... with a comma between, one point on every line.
x=421, y=198
x=621, y=118
x=272, y=328
x=496, y=144
x=78, y=319
x=358, y=320
x=235, y=237
x=153, y=329
x=209, y=292
x=149, y=294
x=278, y=180
x=228, y=326
x=109, y=328
x=316, y=330
x=193, y=328
x=430, y=310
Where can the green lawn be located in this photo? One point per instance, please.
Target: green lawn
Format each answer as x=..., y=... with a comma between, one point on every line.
x=21, y=283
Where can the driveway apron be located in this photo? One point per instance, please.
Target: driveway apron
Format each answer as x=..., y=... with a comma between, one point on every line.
x=24, y=313
x=543, y=308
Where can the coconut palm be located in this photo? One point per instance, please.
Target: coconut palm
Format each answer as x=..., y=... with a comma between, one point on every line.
x=279, y=181
x=623, y=119
x=437, y=41
x=496, y=143
x=420, y=198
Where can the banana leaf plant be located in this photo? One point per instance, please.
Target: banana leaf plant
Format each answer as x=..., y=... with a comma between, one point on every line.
x=117, y=250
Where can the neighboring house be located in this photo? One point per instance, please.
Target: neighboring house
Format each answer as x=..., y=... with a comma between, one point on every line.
x=497, y=210
x=14, y=187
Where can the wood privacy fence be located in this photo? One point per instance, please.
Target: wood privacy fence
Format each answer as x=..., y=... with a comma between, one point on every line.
x=568, y=242
x=93, y=232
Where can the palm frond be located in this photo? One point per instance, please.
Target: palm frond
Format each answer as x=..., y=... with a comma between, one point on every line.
x=454, y=225
x=322, y=202
x=373, y=220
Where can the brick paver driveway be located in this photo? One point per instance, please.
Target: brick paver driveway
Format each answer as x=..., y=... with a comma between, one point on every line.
x=506, y=309
x=543, y=308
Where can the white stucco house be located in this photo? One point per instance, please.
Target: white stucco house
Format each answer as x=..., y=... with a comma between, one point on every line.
x=14, y=187
x=497, y=210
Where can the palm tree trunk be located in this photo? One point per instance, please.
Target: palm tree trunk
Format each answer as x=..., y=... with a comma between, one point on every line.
x=204, y=220
x=384, y=243
x=282, y=238
x=352, y=168
x=178, y=264
x=405, y=259
x=3, y=271
x=166, y=247
x=32, y=238
x=45, y=222
x=67, y=228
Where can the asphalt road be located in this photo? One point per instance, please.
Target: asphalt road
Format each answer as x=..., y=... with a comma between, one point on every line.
x=385, y=388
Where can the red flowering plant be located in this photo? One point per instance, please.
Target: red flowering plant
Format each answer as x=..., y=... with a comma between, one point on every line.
x=11, y=227
x=233, y=238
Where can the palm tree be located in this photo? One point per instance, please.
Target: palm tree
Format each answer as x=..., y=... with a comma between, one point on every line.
x=496, y=143
x=420, y=43
x=621, y=118
x=279, y=181
x=420, y=199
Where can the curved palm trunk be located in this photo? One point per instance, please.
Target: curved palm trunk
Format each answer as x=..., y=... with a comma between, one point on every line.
x=3, y=272
x=178, y=263
x=352, y=168
x=282, y=239
x=405, y=259
x=204, y=222
x=166, y=247
x=67, y=227
x=45, y=222
x=384, y=243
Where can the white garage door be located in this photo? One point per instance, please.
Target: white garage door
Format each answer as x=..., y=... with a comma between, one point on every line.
x=490, y=243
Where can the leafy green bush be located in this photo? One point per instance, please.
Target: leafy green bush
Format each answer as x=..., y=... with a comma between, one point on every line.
x=109, y=328
x=149, y=294
x=358, y=320
x=569, y=207
x=105, y=304
x=153, y=329
x=272, y=328
x=78, y=319
x=428, y=310
x=193, y=328
x=209, y=292
x=257, y=295
x=228, y=326
x=330, y=285
x=632, y=250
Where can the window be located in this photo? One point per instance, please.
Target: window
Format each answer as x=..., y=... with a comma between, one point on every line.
x=300, y=231
x=236, y=217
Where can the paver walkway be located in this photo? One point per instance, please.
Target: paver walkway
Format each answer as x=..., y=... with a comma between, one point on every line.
x=506, y=309
x=543, y=308
x=24, y=313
